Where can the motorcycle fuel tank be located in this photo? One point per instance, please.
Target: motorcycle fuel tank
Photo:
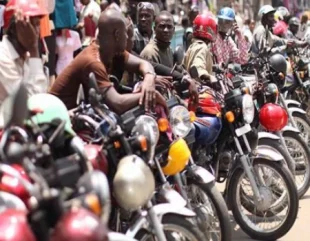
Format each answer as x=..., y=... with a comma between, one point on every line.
x=207, y=128
x=96, y=157
x=14, y=226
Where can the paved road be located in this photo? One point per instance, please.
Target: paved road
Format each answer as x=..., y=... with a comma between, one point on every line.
x=300, y=230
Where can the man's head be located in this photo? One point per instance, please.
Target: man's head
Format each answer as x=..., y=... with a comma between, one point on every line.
x=85, y=2
x=164, y=26
x=145, y=15
x=266, y=14
x=193, y=14
x=28, y=8
x=205, y=27
x=294, y=24
x=226, y=18
x=252, y=25
x=112, y=35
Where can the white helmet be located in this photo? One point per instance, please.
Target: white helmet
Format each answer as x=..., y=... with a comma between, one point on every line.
x=283, y=11
x=265, y=10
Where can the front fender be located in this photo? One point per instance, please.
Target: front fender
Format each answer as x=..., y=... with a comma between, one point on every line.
x=290, y=128
x=169, y=195
x=165, y=208
x=296, y=110
x=199, y=174
x=267, y=135
x=160, y=210
x=292, y=103
x=113, y=236
x=268, y=153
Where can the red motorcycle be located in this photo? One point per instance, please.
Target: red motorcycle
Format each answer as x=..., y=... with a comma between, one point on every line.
x=74, y=219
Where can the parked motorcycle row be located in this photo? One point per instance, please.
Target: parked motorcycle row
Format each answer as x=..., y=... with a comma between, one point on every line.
x=90, y=174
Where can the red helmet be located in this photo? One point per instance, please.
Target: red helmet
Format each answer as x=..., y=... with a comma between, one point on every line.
x=29, y=8
x=273, y=117
x=205, y=27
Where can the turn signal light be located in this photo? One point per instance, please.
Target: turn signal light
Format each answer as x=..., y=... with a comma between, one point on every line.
x=92, y=201
x=143, y=142
x=163, y=124
x=230, y=116
x=117, y=144
x=192, y=116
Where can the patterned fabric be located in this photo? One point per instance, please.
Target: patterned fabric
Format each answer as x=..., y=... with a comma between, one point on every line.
x=225, y=50
x=140, y=41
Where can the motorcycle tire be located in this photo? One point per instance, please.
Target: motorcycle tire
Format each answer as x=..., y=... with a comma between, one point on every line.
x=304, y=119
x=219, y=204
x=232, y=189
x=302, y=189
x=277, y=146
x=173, y=222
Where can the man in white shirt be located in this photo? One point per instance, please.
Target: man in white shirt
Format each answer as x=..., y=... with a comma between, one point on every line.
x=90, y=10
x=19, y=58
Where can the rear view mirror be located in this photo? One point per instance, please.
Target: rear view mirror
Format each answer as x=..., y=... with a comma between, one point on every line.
x=80, y=96
x=93, y=82
x=194, y=72
x=178, y=55
x=14, y=109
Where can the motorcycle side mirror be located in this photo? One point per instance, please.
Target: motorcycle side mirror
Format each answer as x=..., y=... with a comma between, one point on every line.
x=14, y=108
x=80, y=96
x=178, y=55
x=93, y=82
x=193, y=72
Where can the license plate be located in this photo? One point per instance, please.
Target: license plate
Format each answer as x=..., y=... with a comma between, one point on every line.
x=243, y=130
x=306, y=83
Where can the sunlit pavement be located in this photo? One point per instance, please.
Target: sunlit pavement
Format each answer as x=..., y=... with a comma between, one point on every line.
x=300, y=230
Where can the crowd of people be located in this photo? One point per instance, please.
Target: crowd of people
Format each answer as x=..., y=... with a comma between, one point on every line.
x=52, y=46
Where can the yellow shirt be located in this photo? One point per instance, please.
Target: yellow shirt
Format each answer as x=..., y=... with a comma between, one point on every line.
x=199, y=55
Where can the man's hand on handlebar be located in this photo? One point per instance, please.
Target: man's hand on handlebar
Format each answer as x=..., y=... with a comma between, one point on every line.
x=164, y=81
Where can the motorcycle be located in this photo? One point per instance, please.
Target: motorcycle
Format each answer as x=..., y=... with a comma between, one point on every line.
x=227, y=145
x=46, y=216
x=290, y=138
x=120, y=151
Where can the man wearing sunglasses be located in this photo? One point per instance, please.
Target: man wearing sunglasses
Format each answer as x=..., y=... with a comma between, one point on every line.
x=225, y=49
x=158, y=49
x=143, y=33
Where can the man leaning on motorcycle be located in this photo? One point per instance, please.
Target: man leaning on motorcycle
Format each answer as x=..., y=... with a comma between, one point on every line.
x=104, y=54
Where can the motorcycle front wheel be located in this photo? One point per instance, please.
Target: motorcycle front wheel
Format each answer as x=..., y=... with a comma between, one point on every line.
x=303, y=125
x=176, y=227
x=300, y=152
x=209, y=205
x=278, y=147
x=255, y=225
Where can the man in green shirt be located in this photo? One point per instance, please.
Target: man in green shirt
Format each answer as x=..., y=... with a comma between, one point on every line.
x=158, y=49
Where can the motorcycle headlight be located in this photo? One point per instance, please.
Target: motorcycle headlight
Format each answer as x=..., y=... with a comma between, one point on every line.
x=180, y=121
x=148, y=127
x=248, y=108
